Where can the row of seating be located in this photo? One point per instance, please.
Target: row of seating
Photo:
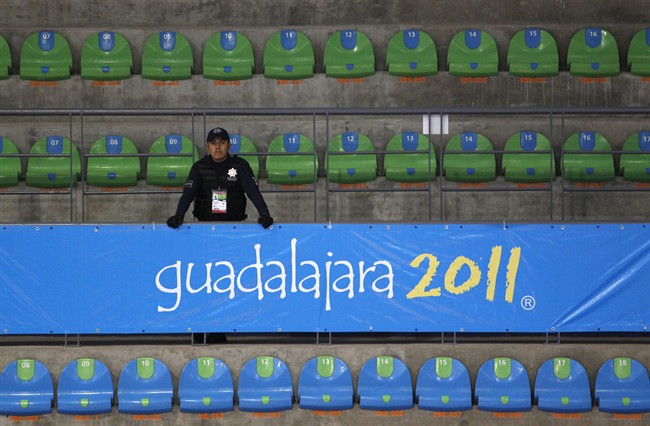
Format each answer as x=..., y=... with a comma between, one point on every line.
x=410, y=157
x=325, y=383
x=289, y=55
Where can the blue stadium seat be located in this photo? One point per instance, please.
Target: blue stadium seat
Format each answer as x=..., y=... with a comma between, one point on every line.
x=411, y=53
x=85, y=387
x=622, y=386
x=26, y=389
x=443, y=384
x=5, y=59
x=45, y=56
x=265, y=385
x=473, y=53
x=167, y=56
x=291, y=169
x=206, y=386
x=562, y=386
x=228, y=55
x=385, y=384
x=171, y=170
x=502, y=385
x=10, y=167
x=349, y=53
x=110, y=168
x=325, y=383
x=350, y=167
x=56, y=164
x=593, y=52
x=145, y=387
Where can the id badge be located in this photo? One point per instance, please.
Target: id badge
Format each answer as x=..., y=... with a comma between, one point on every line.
x=219, y=201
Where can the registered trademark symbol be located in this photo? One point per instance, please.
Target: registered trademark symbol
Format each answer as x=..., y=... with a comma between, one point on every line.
x=528, y=303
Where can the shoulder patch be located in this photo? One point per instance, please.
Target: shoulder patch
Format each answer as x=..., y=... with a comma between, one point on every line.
x=188, y=184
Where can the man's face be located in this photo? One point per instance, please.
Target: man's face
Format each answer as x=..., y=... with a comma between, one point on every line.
x=218, y=149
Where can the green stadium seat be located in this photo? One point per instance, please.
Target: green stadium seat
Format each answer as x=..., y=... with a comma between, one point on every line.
x=413, y=167
x=10, y=167
x=241, y=145
x=167, y=56
x=349, y=54
x=54, y=167
x=411, y=53
x=351, y=167
x=171, y=170
x=291, y=169
x=112, y=169
x=473, y=53
x=585, y=166
x=635, y=166
x=289, y=55
x=466, y=164
x=638, y=54
x=106, y=56
x=524, y=165
x=593, y=52
x=532, y=52
x=228, y=55
x=5, y=59
x=45, y=56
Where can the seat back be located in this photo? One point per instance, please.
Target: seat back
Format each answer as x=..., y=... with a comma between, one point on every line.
x=465, y=165
x=57, y=166
x=288, y=169
x=415, y=167
x=265, y=385
x=585, y=166
x=10, y=167
x=325, y=383
x=593, y=52
x=289, y=55
x=443, y=384
x=473, y=53
x=239, y=146
x=502, y=385
x=85, y=387
x=349, y=53
x=206, y=386
x=112, y=169
x=45, y=56
x=520, y=162
x=638, y=53
x=145, y=387
x=26, y=389
x=106, y=55
x=635, y=166
x=350, y=167
x=622, y=386
x=171, y=170
x=411, y=53
x=5, y=59
x=385, y=384
x=228, y=55
x=562, y=386
x=532, y=52
x=167, y=55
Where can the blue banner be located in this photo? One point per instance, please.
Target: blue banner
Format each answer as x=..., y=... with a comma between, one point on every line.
x=306, y=278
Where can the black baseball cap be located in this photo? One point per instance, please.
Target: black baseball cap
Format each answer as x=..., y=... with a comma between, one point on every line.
x=220, y=133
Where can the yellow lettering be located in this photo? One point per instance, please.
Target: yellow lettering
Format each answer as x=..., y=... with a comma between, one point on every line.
x=419, y=289
x=452, y=272
x=493, y=269
x=511, y=273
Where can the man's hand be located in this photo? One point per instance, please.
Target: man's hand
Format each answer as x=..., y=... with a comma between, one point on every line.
x=265, y=220
x=175, y=221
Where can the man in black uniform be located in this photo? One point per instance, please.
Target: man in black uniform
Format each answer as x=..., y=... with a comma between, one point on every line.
x=217, y=184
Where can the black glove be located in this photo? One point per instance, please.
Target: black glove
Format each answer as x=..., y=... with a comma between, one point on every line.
x=265, y=220
x=175, y=221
